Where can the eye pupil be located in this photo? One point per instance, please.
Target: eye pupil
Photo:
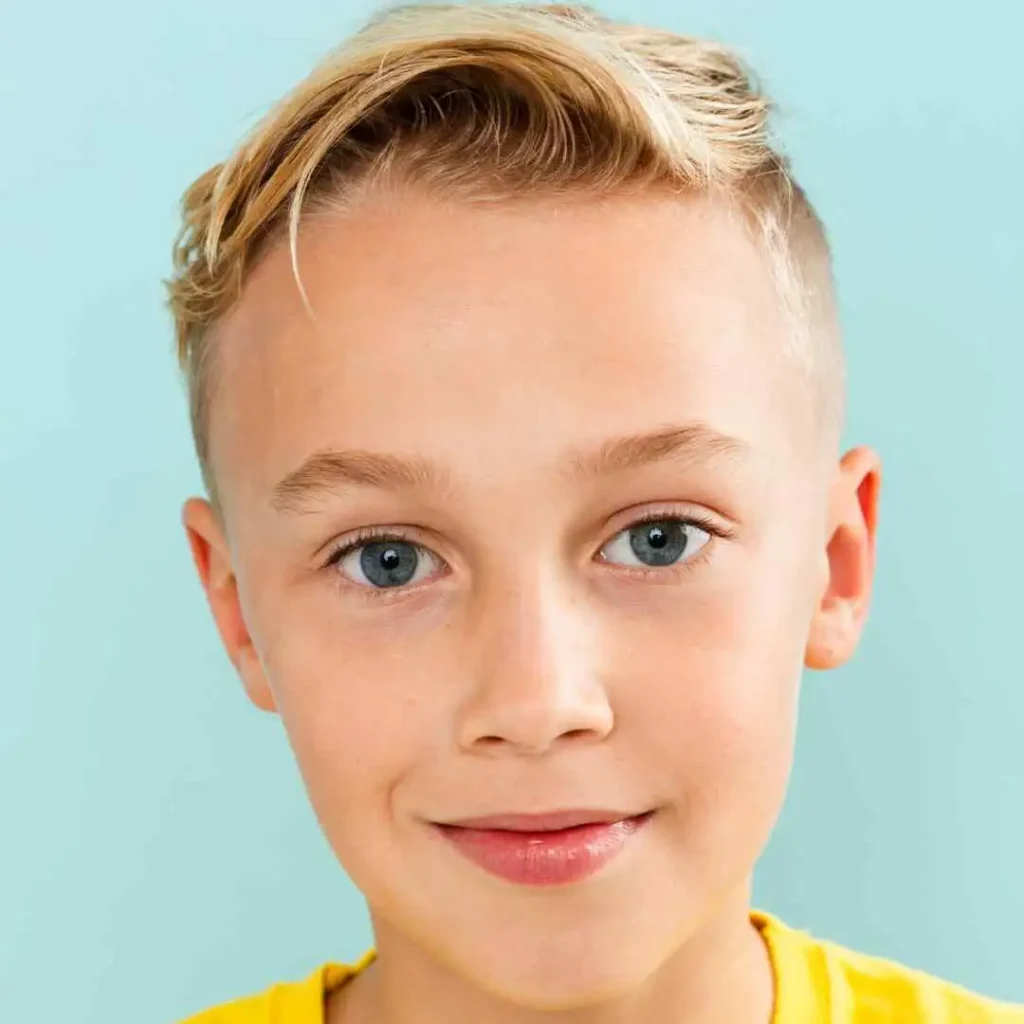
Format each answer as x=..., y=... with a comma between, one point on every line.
x=388, y=564
x=660, y=543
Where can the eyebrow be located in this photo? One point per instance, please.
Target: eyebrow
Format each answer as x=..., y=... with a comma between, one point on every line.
x=325, y=472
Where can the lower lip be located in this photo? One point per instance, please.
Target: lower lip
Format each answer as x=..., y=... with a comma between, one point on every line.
x=544, y=858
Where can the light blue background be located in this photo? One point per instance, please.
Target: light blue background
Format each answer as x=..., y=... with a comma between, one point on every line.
x=157, y=851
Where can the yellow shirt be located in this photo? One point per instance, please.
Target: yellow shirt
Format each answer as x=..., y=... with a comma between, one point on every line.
x=816, y=983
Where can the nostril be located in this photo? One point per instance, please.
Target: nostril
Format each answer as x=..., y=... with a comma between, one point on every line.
x=577, y=734
x=489, y=741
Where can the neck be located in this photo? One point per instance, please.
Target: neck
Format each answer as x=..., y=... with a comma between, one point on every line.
x=721, y=972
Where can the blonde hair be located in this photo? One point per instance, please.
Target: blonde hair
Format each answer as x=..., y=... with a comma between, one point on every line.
x=490, y=102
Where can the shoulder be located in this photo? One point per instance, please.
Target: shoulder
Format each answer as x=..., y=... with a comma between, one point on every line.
x=250, y=1010
x=911, y=995
x=845, y=986
x=287, y=1002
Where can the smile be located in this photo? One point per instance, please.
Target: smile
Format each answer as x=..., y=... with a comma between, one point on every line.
x=548, y=849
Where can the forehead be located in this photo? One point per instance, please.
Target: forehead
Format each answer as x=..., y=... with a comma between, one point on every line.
x=492, y=337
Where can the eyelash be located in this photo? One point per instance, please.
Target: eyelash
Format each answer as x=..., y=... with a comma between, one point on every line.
x=371, y=534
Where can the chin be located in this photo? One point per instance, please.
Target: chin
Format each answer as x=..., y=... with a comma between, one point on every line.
x=551, y=971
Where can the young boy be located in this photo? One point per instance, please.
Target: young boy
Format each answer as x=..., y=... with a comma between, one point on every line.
x=527, y=511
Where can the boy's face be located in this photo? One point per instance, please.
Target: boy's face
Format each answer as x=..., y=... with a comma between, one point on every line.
x=525, y=644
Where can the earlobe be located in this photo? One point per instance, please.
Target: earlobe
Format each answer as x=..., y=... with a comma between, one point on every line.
x=212, y=559
x=841, y=613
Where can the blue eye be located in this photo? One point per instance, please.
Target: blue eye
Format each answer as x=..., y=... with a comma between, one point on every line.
x=383, y=563
x=378, y=561
x=656, y=543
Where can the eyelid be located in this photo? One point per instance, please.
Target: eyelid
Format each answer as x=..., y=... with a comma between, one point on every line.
x=715, y=524
x=337, y=549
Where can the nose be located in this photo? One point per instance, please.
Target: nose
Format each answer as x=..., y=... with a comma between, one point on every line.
x=536, y=679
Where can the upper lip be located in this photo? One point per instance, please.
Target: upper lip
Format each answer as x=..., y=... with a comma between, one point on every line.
x=551, y=821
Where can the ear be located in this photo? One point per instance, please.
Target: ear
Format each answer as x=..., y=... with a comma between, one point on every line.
x=842, y=610
x=212, y=558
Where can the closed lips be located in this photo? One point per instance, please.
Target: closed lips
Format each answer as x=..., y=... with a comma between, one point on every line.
x=544, y=849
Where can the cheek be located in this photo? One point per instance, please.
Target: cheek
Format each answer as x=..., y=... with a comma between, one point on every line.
x=714, y=701
x=722, y=713
x=358, y=713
